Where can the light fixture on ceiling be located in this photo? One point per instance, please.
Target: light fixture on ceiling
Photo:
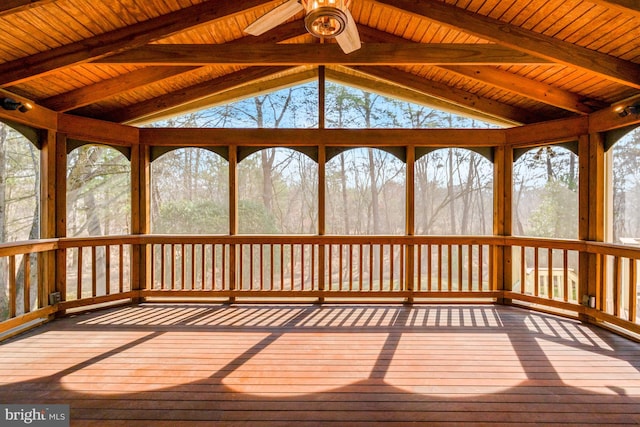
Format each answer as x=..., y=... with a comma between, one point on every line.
x=324, y=19
x=12, y=105
x=624, y=111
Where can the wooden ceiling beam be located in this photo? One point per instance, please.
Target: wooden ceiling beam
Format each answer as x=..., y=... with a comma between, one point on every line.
x=105, y=89
x=442, y=91
x=615, y=69
x=119, y=40
x=527, y=88
x=203, y=137
x=9, y=7
x=190, y=94
x=321, y=54
x=623, y=6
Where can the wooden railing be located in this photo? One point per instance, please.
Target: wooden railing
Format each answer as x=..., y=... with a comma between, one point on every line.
x=541, y=273
x=320, y=266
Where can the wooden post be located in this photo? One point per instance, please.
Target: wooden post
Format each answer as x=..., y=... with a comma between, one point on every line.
x=140, y=215
x=410, y=227
x=322, y=218
x=60, y=203
x=47, y=273
x=502, y=216
x=591, y=215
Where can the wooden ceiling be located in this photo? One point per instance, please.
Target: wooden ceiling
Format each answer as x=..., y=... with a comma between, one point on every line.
x=508, y=61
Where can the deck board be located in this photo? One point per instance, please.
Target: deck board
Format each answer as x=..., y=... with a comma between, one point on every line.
x=181, y=364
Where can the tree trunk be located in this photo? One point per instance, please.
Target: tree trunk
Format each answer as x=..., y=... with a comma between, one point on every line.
x=375, y=208
x=345, y=199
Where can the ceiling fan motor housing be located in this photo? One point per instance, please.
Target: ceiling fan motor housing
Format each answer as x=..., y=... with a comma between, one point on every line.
x=325, y=21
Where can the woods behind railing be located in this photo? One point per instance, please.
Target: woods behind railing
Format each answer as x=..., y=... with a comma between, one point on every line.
x=542, y=273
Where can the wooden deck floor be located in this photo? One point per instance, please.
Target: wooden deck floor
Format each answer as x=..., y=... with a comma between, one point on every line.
x=169, y=365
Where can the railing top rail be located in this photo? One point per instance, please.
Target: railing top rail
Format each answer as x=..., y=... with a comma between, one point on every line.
x=316, y=239
x=27, y=246
x=43, y=245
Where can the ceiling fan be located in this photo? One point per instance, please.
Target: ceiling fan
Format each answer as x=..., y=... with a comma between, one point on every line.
x=323, y=19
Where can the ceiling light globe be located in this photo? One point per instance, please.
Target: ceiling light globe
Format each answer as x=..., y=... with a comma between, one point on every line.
x=326, y=22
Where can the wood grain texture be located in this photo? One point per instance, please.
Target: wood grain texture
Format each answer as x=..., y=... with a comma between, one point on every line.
x=115, y=41
x=273, y=365
x=304, y=54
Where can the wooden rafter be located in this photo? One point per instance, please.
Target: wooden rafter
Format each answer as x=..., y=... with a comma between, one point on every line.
x=94, y=93
x=129, y=37
x=525, y=87
x=624, y=6
x=14, y=6
x=623, y=72
x=192, y=93
x=321, y=54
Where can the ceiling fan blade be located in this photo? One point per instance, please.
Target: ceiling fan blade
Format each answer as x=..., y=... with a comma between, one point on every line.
x=349, y=39
x=274, y=18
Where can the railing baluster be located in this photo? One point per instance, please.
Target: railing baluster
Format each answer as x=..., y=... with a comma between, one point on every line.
x=371, y=266
x=381, y=266
x=12, y=286
x=79, y=274
x=121, y=268
x=292, y=267
x=193, y=266
x=302, y=267
x=282, y=267
x=429, y=267
x=224, y=268
x=617, y=285
x=27, y=283
x=565, y=272
x=340, y=262
x=391, y=262
x=203, y=266
x=350, y=264
x=633, y=292
x=251, y=266
x=550, y=273
x=312, y=267
x=94, y=272
x=271, y=267
x=469, y=267
x=107, y=269
x=480, y=266
x=418, y=267
x=183, y=274
x=535, y=272
x=214, y=285
x=360, y=268
x=172, y=284
x=449, y=268
x=460, y=268
x=439, y=268
x=401, y=272
x=523, y=271
x=330, y=268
